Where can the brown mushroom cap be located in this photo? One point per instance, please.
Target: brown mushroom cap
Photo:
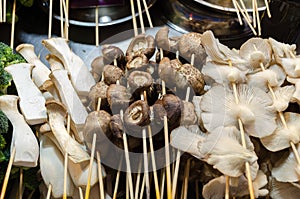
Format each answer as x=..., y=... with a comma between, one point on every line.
x=141, y=44
x=118, y=97
x=97, y=122
x=98, y=91
x=173, y=106
x=112, y=74
x=188, y=115
x=112, y=52
x=190, y=44
x=137, y=116
x=98, y=65
x=139, y=80
x=137, y=62
x=167, y=72
x=162, y=39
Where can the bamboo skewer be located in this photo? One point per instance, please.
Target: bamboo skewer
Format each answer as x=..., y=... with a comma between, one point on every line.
x=254, y=13
x=237, y=12
x=197, y=189
x=245, y=10
x=241, y=128
x=117, y=180
x=12, y=34
x=21, y=183
x=1, y=12
x=257, y=18
x=50, y=18
x=133, y=18
x=127, y=186
x=186, y=179
x=49, y=191
x=4, y=10
x=147, y=13
x=162, y=186
x=153, y=163
x=141, y=16
x=80, y=193
x=227, y=188
x=66, y=8
x=143, y=187
x=138, y=178
x=61, y=18
x=267, y=8
x=6, y=178
x=65, y=176
x=88, y=186
x=97, y=25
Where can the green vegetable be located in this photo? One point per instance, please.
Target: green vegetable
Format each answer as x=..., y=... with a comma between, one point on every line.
x=3, y=124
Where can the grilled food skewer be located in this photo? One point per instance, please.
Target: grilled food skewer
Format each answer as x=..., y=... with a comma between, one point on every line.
x=133, y=18
x=12, y=34
x=21, y=183
x=141, y=16
x=50, y=18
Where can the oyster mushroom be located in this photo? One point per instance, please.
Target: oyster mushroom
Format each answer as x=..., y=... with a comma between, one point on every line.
x=283, y=190
x=189, y=44
x=139, y=81
x=40, y=73
x=112, y=74
x=81, y=77
x=141, y=45
x=111, y=53
x=32, y=102
x=97, y=91
x=71, y=100
x=137, y=62
x=23, y=139
x=254, y=109
x=52, y=168
x=296, y=82
x=282, y=136
x=256, y=51
x=137, y=116
x=282, y=50
x=283, y=96
x=291, y=66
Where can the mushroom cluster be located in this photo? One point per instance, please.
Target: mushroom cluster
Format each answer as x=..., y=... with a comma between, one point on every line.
x=241, y=123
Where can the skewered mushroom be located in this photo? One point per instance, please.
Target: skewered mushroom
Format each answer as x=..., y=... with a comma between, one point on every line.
x=137, y=62
x=141, y=45
x=32, y=102
x=97, y=66
x=139, y=81
x=112, y=74
x=111, y=53
x=118, y=97
x=23, y=139
x=97, y=91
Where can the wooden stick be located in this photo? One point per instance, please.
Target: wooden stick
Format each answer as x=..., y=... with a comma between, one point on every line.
x=1, y=12
x=254, y=13
x=4, y=10
x=98, y=104
x=66, y=8
x=258, y=19
x=186, y=178
x=21, y=183
x=117, y=180
x=65, y=176
x=6, y=178
x=227, y=189
x=245, y=10
x=49, y=191
x=197, y=189
x=80, y=193
x=147, y=13
x=167, y=152
x=88, y=186
x=143, y=187
x=141, y=16
x=50, y=18
x=61, y=18
x=101, y=185
x=12, y=34
x=133, y=18
x=153, y=163
x=138, y=178
x=97, y=25
x=267, y=8
x=237, y=12
x=241, y=127
x=127, y=186
x=162, y=186
x=248, y=22
x=127, y=161
x=146, y=169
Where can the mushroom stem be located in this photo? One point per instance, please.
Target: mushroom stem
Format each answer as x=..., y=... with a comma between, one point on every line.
x=6, y=178
x=241, y=128
x=88, y=186
x=49, y=191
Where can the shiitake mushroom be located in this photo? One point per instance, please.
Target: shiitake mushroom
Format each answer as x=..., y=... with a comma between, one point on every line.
x=112, y=74
x=110, y=53
x=97, y=66
x=98, y=91
x=139, y=81
x=137, y=116
x=137, y=62
x=141, y=45
x=118, y=97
